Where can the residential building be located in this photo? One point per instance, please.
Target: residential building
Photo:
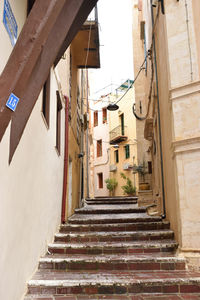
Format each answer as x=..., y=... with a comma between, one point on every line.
x=172, y=123
x=122, y=127
x=42, y=138
x=100, y=146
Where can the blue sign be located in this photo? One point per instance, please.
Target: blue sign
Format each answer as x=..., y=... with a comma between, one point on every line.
x=12, y=102
x=9, y=22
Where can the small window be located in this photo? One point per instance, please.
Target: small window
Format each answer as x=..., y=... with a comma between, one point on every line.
x=149, y=167
x=127, y=151
x=104, y=112
x=99, y=148
x=46, y=100
x=58, y=122
x=116, y=153
x=100, y=180
x=95, y=118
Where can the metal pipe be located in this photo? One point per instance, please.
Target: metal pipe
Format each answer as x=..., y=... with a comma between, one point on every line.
x=87, y=137
x=159, y=122
x=65, y=170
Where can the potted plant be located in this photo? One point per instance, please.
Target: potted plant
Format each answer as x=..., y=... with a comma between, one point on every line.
x=111, y=184
x=128, y=188
x=141, y=169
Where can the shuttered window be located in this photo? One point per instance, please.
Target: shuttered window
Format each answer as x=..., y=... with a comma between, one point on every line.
x=127, y=151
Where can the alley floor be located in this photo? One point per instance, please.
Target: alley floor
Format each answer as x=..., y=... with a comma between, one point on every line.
x=111, y=249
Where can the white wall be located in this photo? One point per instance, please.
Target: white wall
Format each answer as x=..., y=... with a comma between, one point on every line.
x=101, y=164
x=31, y=194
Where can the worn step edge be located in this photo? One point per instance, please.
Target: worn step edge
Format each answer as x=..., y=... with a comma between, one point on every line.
x=129, y=296
x=101, y=211
x=124, y=219
x=113, y=236
x=123, y=226
x=111, y=198
x=121, y=233
x=103, y=285
x=109, y=263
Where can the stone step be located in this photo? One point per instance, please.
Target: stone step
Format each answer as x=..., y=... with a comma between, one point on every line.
x=113, y=202
x=122, y=198
x=111, y=262
x=108, y=209
x=131, y=296
x=112, y=236
x=113, y=282
x=112, y=218
x=113, y=247
x=117, y=227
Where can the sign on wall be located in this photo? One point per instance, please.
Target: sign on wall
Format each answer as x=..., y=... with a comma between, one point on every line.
x=12, y=102
x=10, y=23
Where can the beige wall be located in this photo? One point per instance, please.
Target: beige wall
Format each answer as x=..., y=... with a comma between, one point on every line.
x=31, y=194
x=100, y=132
x=19, y=9
x=177, y=55
x=125, y=106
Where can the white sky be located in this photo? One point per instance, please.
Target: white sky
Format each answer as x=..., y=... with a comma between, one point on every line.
x=116, y=50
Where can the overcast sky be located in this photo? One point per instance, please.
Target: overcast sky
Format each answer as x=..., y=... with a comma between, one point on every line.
x=116, y=51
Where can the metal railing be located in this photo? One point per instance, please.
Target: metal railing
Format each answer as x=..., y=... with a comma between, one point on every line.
x=117, y=132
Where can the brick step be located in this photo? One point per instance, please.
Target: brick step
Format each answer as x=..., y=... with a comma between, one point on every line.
x=107, y=209
x=112, y=236
x=154, y=296
x=113, y=247
x=115, y=227
x=122, y=198
x=112, y=218
x=113, y=202
x=113, y=282
x=111, y=262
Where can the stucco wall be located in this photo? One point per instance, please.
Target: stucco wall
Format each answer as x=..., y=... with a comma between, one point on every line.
x=31, y=194
x=101, y=164
x=125, y=107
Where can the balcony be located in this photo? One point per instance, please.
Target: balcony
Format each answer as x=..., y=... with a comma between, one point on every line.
x=118, y=135
x=86, y=43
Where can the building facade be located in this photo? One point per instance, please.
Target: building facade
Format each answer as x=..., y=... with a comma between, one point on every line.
x=172, y=124
x=43, y=135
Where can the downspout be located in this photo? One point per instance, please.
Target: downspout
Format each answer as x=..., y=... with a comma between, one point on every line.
x=159, y=123
x=65, y=170
x=87, y=141
x=82, y=143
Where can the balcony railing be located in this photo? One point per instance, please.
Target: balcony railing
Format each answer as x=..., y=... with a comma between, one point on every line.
x=118, y=134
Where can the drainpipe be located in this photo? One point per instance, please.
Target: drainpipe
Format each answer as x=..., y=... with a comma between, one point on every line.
x=82, y=146
x=65, y=171
x=159, y=123
x=87, y=140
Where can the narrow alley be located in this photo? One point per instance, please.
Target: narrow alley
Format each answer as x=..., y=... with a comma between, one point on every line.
x=112, y=247
x=100, y=149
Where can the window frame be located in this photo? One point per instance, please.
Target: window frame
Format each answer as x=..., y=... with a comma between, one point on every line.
x=99, y=148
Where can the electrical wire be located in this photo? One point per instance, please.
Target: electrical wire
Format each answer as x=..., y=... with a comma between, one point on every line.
x=152, y=74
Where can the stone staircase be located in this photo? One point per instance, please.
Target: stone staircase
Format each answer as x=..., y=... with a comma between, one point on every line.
x=111, y=249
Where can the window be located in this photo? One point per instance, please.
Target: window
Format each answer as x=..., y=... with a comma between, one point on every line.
x=58, y=121
x=149, y=167
x=122, y=124
x=95, y=118
x=116, y=153
x=100, y=180
x=104, y=112
x=46, y=100
x=99, y=148
x=127, y=151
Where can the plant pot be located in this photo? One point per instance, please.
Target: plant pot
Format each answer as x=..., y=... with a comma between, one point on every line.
x=144, y=186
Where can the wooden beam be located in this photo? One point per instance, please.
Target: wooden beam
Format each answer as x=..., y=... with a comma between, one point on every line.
x=64, y=30
x=25, y=54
